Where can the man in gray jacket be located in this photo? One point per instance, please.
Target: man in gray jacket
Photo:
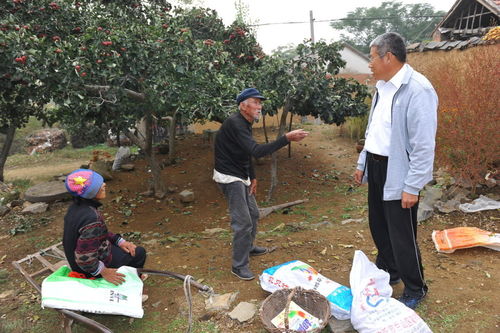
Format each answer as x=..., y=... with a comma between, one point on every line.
x=397, y=161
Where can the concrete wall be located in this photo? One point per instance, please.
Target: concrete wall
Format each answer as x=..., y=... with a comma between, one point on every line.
x=355, y=64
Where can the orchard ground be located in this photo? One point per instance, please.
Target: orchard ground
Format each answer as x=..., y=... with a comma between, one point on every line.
x=462, y=286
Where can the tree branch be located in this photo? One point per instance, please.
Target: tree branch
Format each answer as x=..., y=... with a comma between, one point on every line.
x=130, y=93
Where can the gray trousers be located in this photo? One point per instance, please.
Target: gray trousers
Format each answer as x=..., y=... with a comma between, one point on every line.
x=244, y=217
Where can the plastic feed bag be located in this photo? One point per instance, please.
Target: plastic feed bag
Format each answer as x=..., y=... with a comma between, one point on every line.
x=299, y=274
x=373, y=309
x=449, y=240
x=298, y=319
x=95, y=296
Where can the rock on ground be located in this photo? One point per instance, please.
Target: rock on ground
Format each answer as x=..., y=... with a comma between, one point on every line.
x=4, y=210
x=36, y=208
x=47, y=192
x=220, y=302
x=187, y=196
x=127, y=167
x=121, y=155
x=103, y=168
x=424, y=211
x=49, y=139
x=243, y=312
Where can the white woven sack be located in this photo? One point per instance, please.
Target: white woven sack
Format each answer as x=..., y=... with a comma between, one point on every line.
x=373, y=309
x=95, y=296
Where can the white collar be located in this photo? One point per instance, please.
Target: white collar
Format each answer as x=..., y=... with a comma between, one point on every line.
x=397, y=79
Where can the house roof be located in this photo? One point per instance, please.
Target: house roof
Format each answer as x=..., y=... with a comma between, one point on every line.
x=446, y=45
x=358, y=52
x=468, y=18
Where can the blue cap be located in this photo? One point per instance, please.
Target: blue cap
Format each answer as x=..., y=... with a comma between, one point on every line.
x=248, y=93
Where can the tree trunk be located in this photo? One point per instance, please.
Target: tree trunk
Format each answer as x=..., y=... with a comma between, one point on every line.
x=265, y=128
x=290, y=144
x=118, y=143
x=274, y=162
x=157, y=186
x=171, y=139
x=11, y=130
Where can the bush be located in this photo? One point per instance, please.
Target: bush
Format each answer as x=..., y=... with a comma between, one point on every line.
x=469, y=110
x=355, y=127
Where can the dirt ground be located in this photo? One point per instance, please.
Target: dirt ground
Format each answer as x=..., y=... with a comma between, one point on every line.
x=463, y=286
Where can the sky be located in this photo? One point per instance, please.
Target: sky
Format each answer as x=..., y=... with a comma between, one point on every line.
x=274, y=11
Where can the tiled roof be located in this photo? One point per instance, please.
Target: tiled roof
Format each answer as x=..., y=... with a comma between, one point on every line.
x=447, y=45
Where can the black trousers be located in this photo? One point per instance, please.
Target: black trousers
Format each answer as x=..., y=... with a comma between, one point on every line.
x=122, y=258
x=394, y=231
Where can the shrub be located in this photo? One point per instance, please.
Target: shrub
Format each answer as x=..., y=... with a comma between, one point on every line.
x=469, y=110
x=355, y=127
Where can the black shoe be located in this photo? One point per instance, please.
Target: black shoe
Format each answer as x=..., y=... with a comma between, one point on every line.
x=243, y=273
x=259, y=251
x=411, y=301
x=394, y=281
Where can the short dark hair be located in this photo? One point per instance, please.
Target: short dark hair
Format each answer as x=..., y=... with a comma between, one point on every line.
x=390, y=42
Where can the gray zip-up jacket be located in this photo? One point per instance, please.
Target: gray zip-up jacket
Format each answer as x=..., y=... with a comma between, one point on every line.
x=413, y=134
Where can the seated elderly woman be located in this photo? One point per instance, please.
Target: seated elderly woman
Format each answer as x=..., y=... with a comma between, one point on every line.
x=89, y=247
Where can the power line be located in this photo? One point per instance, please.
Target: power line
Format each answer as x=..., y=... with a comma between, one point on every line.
x=348, y=19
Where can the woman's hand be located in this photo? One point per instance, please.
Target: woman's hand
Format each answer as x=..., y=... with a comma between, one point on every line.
x=112, y=276
x=128, y=247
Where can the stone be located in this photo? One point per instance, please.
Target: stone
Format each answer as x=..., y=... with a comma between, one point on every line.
x=121, y=155
x=47, y=192
x=431, y=195
x=127, y=167
x=4, y=210
x=16, y=203
x=220, y=302
x=103, y=168
x=424, y=212
x=36, y=208
x=340, y=326
x=44, y=140
x=187, y=196
x=460, y=194
x=243, y=312
x=447, y=206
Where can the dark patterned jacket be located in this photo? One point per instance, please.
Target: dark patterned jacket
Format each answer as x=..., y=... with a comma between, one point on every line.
x=86, y=239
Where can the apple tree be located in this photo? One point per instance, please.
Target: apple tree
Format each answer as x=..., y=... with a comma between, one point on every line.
x=306, y=85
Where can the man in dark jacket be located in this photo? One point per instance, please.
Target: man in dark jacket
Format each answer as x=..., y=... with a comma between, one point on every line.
x=89, y=247
x=235, y=174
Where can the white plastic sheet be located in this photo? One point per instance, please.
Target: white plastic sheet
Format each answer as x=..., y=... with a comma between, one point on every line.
x=481, y=203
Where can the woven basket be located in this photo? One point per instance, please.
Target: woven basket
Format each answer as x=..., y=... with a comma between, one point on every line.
x=310, y=300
